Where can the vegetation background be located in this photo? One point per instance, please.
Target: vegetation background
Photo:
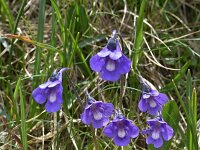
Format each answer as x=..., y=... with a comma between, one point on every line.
x=162, y=38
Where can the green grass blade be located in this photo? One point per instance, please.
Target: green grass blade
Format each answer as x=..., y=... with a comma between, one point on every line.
x=191, y=103
x=63, y=31
x=80, y=53
x=139, y=34
x=21, y=11
x=194, y=116
x=40, y=37
x=38, y=54
x=194, y=106
x=6, y=10
x=50, y=55
x=172, y=117
x=23, y=119
x=189, y=87
x=178, y=77
x=74, y=47
x=180, y=100
x=191, y=134
x=170, y=114
x=189, y=108
x=90, y=41
x=15, y=105
x=59, y=17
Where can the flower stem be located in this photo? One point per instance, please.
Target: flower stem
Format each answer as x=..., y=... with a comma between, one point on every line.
x=94, y=138
x=122, y=80
x=74, y=90
x=81, y=103
x=121, y=92
x=54, y=130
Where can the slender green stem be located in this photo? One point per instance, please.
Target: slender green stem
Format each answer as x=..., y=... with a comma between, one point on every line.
x=81, y=103
x=54, y=144
x=74, y=90
x=122, y=80
x=94, y=138
x=121, y=92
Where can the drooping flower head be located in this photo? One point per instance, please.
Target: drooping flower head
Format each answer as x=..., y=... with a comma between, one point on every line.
x=110, y=62
x=50, y=92
x=158, y=130
x=96, y=113
x=121, y=130
x=151, y=100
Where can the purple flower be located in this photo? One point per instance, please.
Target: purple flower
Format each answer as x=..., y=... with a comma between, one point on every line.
x=50, y=92
x=158, y=131
x=96, y=113
x=121, y=130
x=110, y=62
x=151, y=100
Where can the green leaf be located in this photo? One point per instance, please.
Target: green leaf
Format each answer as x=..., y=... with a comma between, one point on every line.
x=82, y=21
x=172, y=117
x=151, y=147
x=171, y=114
x=139, y=34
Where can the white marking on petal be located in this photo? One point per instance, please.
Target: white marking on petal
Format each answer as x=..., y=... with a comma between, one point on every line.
x=103, y=53
x=110, y=66
x=155, y=135
x=53, y=84
x=97, y=115
x=145, y=96
x=44, y=85
x=115, y=55
x=52, y=97
x=121, y=133
x=152, y=104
